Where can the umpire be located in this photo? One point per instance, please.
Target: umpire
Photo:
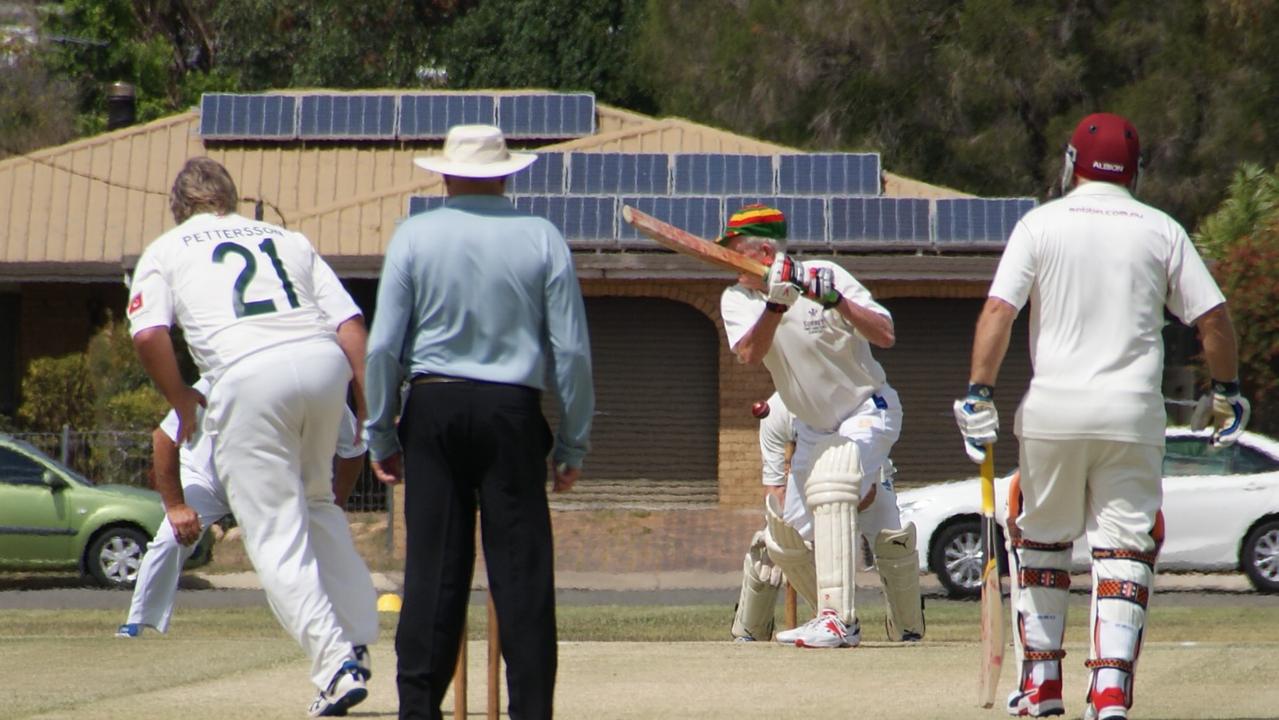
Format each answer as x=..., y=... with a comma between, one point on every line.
x=478, y=308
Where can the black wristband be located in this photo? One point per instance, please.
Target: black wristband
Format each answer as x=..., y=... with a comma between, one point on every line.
x=1223, y=387
x=778, y=308
x=985, y=392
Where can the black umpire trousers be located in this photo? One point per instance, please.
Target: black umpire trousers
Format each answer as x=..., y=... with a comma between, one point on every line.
x=467, y=444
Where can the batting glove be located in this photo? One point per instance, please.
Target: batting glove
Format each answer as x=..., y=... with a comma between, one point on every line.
x=784, y=280
x=763, y=565
x=820, y=286
x=1225, y=410
x=978, y=420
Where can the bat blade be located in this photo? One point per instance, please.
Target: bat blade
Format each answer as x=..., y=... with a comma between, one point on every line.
x=992, y=605
x=686, y=243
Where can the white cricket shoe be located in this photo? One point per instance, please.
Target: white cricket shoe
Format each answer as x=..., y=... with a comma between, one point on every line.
x=828, y=631
x=1043, y=700
x=345, y=690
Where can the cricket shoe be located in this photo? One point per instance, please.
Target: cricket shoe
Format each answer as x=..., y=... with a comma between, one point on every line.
x=1108, y=704
x=364, y=660
x=129, y=630
x=828, y=631
x=345, y=690
x=1043, y=700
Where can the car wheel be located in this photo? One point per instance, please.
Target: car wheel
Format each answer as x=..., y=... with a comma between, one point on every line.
x=956, y=558
x=115, y=555
x=1260, y=557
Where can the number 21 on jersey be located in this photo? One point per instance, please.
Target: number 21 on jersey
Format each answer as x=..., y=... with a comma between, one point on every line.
x=243, y=307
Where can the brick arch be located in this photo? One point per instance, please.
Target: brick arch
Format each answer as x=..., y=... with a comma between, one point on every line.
x=740, y=385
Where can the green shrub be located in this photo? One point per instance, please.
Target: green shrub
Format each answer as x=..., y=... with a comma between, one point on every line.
x=1249, y=275
x=57, y=391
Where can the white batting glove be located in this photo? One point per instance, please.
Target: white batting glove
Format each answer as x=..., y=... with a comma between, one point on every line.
x=819, y=284
x=1225, y=410
x=784, y=280
x=978, y=421
x=763, y=565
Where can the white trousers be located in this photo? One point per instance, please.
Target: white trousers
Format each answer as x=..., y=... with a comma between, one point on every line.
x=1110, y=490
x=274, y=419
x=874, y=429
x=157, y=583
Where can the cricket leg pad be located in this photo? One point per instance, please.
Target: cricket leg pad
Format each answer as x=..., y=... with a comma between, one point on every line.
x=791, y=553
x=1122, y=583
x=757, y=603
x=897, y=560
x=833, y=492
x=1040, y=580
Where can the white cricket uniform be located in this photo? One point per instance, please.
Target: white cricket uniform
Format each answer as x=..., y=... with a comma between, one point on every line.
x=779, y=429
x=157, y=583
x=824, y=373
x=258, y=308
x=1099, y=268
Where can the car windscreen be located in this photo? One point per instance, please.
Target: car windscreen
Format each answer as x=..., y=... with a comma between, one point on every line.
x=21, y=453
x=1193, y=455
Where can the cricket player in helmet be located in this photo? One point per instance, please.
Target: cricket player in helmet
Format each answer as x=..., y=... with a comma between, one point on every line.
x=1099, y=269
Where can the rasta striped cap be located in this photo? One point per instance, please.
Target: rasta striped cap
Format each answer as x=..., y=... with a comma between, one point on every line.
x=756, y=220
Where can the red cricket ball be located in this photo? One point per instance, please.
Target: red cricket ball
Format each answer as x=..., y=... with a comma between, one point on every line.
x=760, y=409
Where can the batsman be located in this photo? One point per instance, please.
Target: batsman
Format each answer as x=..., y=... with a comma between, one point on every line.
x=812, y=326
x=1099, y=269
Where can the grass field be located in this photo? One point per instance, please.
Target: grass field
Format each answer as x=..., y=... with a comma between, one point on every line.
x=622, y=662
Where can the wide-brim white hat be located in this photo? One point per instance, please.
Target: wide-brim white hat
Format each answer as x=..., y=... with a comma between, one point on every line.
x=475, y=151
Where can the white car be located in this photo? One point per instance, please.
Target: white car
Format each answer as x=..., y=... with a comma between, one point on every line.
x=1221, y=513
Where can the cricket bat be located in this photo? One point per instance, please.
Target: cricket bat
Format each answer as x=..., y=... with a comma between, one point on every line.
x=992, y=606
x=671, y=237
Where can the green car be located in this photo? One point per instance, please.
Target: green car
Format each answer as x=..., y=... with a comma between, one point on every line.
x=53, y=518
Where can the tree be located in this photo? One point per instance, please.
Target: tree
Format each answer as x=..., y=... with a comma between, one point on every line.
x=330, y=43
x=36, y=110
x=554, y=44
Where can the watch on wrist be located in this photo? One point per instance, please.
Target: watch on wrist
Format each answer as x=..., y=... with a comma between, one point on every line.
x=774, y=307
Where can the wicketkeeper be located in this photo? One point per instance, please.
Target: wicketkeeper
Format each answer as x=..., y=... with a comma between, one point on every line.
x=782, y=547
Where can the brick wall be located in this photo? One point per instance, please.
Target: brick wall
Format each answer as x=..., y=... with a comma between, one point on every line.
x=739, y=385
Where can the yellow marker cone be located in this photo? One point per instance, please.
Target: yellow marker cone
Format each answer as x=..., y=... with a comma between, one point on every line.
x=389, y=602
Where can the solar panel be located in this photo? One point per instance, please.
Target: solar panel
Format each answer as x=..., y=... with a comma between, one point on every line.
x=979, y=221
x=828, y=174
x=701, y=216
x=225, y=116
x=347, y=116
x=720, y=174
x=805, y=217
x=545, y=175
x=430, y=115
x=861, y=221
x=422, y=203
x=583, y=220
x=546, y=115
x=613, y=173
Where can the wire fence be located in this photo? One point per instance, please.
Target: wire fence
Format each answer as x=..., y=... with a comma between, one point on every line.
x=124, y=458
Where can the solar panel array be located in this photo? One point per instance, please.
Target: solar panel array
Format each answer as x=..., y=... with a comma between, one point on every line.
x=392, y=116
x=815, y=223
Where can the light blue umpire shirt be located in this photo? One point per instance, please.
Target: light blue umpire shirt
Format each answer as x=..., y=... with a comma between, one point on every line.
x=477, y=289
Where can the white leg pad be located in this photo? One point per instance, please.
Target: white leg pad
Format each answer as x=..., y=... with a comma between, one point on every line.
x=1040, y=581
x=832, y=492
x=1121, y=593
x=898, y=563
x=790, y=553
x=757, y=603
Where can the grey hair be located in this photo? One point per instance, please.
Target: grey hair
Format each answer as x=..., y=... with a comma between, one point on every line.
x=753, y=242
x=202, y=185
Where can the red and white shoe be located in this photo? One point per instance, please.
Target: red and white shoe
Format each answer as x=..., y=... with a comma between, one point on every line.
x=1043, y=700
x=1107, y=704
x=828, y=631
